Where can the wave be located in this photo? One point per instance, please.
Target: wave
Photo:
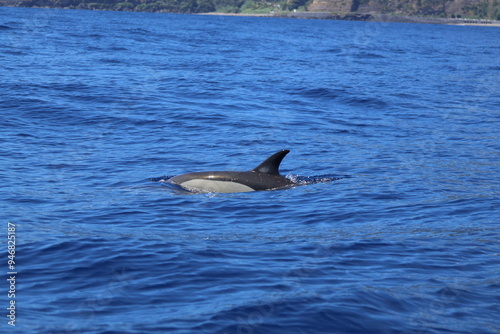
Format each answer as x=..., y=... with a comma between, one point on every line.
x=342, y=96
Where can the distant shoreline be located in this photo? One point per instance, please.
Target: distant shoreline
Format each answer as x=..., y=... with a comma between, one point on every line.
x=368, y=17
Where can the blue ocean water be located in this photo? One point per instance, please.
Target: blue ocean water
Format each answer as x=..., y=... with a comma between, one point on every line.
x=95, y=106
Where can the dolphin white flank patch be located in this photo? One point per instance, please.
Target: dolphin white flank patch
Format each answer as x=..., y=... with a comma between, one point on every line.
x=215, y=186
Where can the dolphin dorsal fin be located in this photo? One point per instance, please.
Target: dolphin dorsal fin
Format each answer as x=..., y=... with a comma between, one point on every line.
x=272, y=164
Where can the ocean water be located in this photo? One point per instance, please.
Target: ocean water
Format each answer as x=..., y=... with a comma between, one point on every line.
x=98, y=106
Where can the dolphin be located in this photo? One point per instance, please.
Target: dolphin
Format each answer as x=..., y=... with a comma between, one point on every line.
x=265, y=176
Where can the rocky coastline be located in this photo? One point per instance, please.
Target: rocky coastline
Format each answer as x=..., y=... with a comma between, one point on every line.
x=375, y=17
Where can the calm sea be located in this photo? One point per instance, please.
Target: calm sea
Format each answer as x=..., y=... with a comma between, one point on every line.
x=95, y=106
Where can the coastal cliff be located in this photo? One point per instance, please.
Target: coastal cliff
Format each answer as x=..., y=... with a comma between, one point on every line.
x=338, y=6
x=438, y=8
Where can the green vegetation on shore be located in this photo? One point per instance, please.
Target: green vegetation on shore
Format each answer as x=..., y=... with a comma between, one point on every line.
x=170, y=6
x=480, y=9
